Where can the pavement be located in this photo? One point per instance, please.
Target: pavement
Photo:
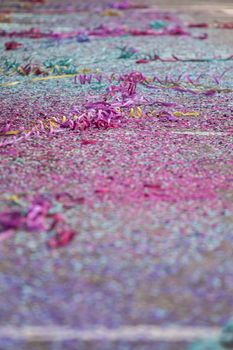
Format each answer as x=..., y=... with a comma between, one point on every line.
x=116, y=232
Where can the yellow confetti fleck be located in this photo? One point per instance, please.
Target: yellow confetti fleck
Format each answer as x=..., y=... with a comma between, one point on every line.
x=111, y=12
x=85, y=70
x=53, y=123
x=10, y=132
x=187, y=114
x=10, y=84
x=54, y=77
x=136, y=112
x=14, y=198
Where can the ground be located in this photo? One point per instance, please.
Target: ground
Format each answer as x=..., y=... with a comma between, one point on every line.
x=116, y=192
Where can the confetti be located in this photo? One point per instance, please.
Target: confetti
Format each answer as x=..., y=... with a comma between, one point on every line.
x=116, y=186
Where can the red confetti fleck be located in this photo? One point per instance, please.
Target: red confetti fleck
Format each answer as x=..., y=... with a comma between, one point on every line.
x=61, y=239
x=12, y=45
x=88, y=142
x=142, y=61
x=198, y=25
x=225, y=26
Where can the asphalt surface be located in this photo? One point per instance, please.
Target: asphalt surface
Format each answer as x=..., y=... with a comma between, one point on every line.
x=150, y=202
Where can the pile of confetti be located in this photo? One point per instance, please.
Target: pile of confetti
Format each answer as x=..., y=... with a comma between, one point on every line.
x=116, y=177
